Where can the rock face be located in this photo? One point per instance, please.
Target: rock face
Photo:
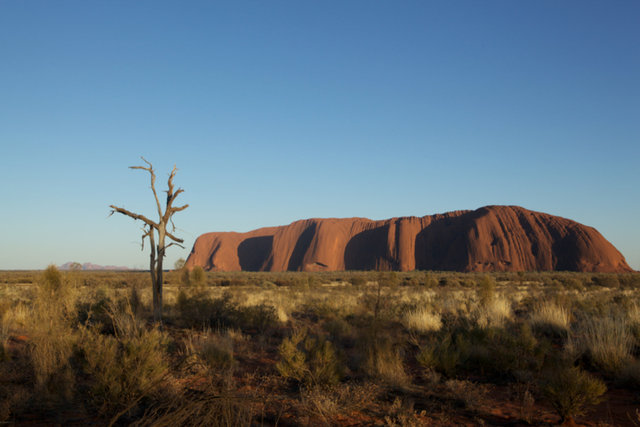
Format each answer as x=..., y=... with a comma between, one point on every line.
x=492, y=238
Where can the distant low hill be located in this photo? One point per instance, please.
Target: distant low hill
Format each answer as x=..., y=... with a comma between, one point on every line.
x=492, y=238
x=89, y=266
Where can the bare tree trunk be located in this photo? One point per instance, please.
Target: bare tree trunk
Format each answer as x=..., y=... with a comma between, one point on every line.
x=157, y=286
x=156, y=257
x=157, y=294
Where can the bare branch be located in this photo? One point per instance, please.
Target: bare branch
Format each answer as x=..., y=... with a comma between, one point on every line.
x=172, y=197
x=170, y=183
x=133, y=215
x=174, y=243
x=153, y=182
x=146, y=235
x=174, y=238
x=178, y=209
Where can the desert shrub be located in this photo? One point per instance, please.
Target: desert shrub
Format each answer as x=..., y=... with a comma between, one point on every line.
x=256, y=317
x=217, y=352
x=550, y=318
x=511, y=353
x=422, y=320
x=451, y=282
x=94, y=311
x=487, y=290
x=573, y=283
x=429, y=280
x=234, y=281
x=606, y=280
x=52, y=338
x=358, y=280
x=570, y=390
x=4, y=337
x=411, y=280
x=445, y=354
x=197, y=276
x=309, y=360
x=211, y=354
x=50, y=350
x=629, y=280
x=198, y=310
x=340, y=330
x=52, y=281
x=123, y=368
x=185, y=277
x=388, y=279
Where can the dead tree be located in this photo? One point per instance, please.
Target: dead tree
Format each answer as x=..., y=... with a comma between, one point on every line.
x=159, y=246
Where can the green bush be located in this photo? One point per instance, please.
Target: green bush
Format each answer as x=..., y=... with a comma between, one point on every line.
x=95, y=311
x=124, y=368
x=51, y=281
x=358, y=280
x=487, y=291
x=446, y=354
x=197, y=276
x=606, y=280
x=309, y=360
x=52, y=337
x=570, y=390
x=511, y=353
x=198, y=310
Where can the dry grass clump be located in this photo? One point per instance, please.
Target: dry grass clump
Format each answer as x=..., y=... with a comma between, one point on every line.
x=211, y=353
x=493, y=312
x=209, y=407
x=633, y=318
x=385, y=362
x=469, y=394
x=607, y=341
x=422, y=320
x=550, y=317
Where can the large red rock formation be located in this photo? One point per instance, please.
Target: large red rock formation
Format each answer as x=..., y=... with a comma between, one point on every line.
x=492, y=238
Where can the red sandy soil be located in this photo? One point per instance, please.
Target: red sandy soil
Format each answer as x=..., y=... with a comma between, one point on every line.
x=492, y=238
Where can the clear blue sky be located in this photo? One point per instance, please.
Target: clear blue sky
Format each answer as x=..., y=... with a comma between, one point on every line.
x=277, y=111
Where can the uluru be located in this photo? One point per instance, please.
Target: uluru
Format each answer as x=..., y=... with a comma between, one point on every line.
x=491, y=238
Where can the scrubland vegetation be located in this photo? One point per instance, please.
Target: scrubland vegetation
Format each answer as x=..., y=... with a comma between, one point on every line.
x=342, y=348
